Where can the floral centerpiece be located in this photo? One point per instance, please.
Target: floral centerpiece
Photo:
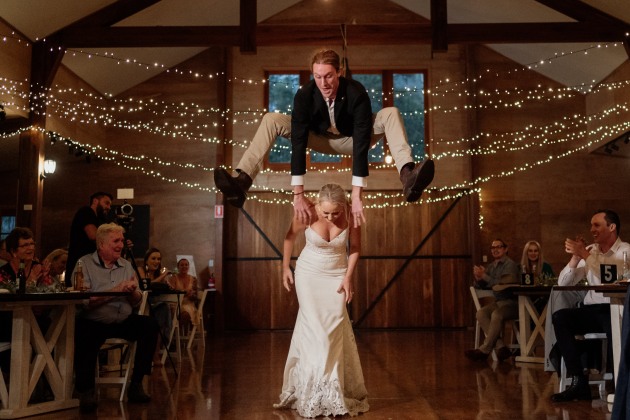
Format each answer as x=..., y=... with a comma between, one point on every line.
x=46, y=284
x=7, y=283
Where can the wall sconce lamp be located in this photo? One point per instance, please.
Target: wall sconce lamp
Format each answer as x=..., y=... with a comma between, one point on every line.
x=49, y=168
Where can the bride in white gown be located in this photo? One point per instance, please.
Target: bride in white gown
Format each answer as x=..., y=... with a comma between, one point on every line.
x=323, y=375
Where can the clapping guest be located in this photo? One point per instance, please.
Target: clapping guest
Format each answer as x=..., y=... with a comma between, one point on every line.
x=152, y=269
x=593, y=313
x=83, y=229
x=21, y=247
x=111, y=317
x=497, y=275
x=187, y=283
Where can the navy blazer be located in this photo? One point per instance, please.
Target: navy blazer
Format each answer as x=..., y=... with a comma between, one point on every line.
x=353, y=118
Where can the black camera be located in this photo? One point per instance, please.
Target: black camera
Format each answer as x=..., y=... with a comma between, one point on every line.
x=124, y=216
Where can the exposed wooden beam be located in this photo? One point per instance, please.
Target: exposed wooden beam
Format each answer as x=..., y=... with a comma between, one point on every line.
x=11, y=125
x=439, y=25
x=146, y=36
x=532, y=33
x=113, y=13
x=583, y=12
x=383, y=34
x=248, y=26
x=46, y=58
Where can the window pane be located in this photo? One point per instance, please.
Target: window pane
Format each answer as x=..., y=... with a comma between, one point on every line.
x=374, y=85
x=282, y=88
x=8, y=224
x=409, y=98
x=317, y=157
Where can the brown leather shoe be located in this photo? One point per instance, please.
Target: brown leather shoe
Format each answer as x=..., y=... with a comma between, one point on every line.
x=417, y=179
x=234, y=188
x=476, y=354
x=503, y=354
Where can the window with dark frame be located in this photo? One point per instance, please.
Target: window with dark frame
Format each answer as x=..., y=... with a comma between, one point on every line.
x=404, y=89
x=8, y=224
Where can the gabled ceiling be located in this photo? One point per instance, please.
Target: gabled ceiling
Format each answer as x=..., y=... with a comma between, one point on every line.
x=518, y=29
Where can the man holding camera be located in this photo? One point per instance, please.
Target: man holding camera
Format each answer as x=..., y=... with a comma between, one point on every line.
x=83, y=230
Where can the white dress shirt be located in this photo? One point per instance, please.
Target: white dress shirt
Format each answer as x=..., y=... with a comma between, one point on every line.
x=591, y=269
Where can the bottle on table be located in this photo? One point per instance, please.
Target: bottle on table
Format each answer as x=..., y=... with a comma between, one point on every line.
x=78, y=277
x=21, y=279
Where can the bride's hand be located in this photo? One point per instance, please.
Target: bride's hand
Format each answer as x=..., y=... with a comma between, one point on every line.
x=346, y=287
x=287, y=278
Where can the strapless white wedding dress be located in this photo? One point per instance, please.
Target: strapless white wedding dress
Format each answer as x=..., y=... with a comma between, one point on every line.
x=323, y=375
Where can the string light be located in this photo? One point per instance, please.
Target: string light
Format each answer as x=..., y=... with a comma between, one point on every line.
x=194, y=120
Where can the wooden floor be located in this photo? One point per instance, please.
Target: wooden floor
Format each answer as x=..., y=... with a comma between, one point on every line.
x=409, y=375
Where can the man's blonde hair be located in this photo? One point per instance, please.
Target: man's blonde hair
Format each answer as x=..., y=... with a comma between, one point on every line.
x=104, y=230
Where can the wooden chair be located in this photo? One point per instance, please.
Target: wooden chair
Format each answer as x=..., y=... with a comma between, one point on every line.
x=199, y=328
x=598, y=379
x=128, y=352
x=4, y=392
x=485, y=294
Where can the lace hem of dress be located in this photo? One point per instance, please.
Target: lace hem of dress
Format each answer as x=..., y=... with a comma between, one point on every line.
x=322, y=398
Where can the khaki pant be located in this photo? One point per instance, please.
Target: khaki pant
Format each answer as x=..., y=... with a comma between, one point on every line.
x=492, y=319
x=387, y=121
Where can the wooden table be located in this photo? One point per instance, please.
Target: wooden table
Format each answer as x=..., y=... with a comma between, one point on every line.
x=34, y=354
x=528, y=314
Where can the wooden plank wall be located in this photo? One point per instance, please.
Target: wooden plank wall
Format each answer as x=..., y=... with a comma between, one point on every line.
x=432, y=290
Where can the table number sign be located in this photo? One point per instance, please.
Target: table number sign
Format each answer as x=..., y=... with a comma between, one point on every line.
x=608, y=273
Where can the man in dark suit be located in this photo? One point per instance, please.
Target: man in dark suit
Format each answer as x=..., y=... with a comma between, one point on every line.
x=332, y=115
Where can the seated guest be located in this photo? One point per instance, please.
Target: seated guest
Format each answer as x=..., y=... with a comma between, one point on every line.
x=111, y=317
x=21, y=247
x=152, y=270
x=499, y=273
x=187, y=283
x=593, y=315
x=57, y=260
x=532, y=261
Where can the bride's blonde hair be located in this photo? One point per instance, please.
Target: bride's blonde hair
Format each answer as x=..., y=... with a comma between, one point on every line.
x=333, y=193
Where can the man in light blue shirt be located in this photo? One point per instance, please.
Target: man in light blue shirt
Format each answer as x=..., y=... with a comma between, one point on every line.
x=106, y=317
